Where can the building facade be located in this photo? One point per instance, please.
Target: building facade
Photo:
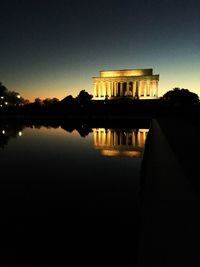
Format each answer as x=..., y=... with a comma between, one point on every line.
x=131, y=83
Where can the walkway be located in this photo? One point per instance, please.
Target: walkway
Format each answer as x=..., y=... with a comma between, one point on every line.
x=170, y=195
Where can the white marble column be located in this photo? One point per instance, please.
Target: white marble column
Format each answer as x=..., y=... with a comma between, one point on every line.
x=114, y=86
x=127, y=88
x=150, y=88
x=133, y=138
x=108, y=137
x=95, y=89
x=139, y=88
x=134, y=88
x=139, y=138
x=142, y=88
x=100, y=89
x=118, y=88
x=115, y=139
x=130, y=88
x=153, y=88
x=110, y=89
x=112, y=138
x=156, y=88
x=104, y=89
x=121, y=88
x=145, y=88
x=103, y=137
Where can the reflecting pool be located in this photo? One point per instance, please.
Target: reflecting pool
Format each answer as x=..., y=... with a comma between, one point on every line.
x=70, y=196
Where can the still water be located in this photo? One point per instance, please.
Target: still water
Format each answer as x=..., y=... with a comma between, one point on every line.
x=70, y=197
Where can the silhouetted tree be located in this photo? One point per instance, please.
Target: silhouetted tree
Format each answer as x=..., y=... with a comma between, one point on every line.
x=10, y=97
x=13, y=98
x=68, y=100
x=38, y=102
x=181, y=96
x=84, y=130
x=3, y=90
x=84, y=97
x=50, y=101
x=54, y=100
x=25, y=101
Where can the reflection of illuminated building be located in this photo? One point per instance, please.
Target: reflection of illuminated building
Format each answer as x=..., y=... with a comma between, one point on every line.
x=115, y=142
x=135, y=84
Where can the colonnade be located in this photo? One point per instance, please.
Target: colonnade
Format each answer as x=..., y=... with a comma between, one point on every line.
x=136, y=89
x=130, y=139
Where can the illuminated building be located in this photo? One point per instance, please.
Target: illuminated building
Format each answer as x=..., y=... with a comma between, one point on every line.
x=131, y=83
x=124, y=142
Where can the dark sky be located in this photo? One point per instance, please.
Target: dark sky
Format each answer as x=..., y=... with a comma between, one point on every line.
x=53, y=48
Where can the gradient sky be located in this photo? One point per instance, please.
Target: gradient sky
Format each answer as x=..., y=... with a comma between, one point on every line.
x=54, y=48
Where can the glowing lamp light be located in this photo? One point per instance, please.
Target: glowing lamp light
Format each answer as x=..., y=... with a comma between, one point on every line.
x=18, y=96
x=6, y=103
x=20, y=133
x=2, y=97
x=3, y=132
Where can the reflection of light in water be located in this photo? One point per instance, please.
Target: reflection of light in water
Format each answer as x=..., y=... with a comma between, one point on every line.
x=3, y=132
x=116, y=142
x=20, y=133
x=116, y=153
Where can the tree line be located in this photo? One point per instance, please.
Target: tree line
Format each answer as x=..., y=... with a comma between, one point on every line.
x=83, y=102
x=8, y=97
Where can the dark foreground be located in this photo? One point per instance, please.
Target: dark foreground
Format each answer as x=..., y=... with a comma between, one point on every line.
x=64, y=227
x=170, y=195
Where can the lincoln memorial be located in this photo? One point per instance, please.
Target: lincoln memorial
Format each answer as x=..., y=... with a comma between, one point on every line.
x=120, y=142
x=131, y=83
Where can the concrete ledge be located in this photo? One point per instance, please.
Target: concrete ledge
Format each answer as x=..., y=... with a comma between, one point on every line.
x=169, y=199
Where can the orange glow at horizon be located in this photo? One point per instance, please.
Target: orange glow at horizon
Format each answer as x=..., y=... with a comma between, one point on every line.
x=53, y=92
x=61, y=92
x=63, y=85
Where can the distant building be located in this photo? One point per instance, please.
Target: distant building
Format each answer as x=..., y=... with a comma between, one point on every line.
x=131, y=83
